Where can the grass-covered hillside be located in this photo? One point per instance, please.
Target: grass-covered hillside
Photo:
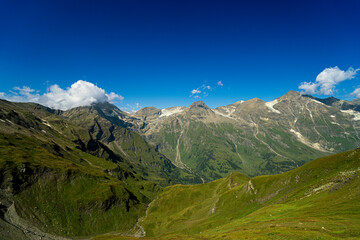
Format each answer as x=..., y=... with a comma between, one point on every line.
x=320, y=200
x=56, y=178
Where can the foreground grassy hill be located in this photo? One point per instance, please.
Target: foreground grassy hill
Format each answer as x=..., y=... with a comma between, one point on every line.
x=320, y=200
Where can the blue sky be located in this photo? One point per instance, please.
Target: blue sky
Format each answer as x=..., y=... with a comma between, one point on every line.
x=155, y=53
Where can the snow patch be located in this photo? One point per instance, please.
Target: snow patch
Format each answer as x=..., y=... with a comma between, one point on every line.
x=318, y=102
x=335, y=123
x=2, y=120
x=229, y=110
x=305, y=141
x=356, y=115
x=170, y=111
x=333, y=116
x=45, y=123
x=221, y=114
x=271, y=104
x=238, y=102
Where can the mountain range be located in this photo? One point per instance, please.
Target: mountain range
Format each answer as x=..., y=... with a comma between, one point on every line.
x=96, y=169
x=253, y=137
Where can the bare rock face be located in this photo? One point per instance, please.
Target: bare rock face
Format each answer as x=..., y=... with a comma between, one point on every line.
x=198, y=110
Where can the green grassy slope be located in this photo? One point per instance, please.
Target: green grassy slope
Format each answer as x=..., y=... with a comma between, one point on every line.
x=65, y=197
x=215, y=150
x=320, y=200
x=58, y=187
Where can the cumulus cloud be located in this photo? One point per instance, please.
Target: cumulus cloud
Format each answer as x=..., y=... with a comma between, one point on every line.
x=80, y=93
x=219, y=83
x=327, y=80
x=195, y=91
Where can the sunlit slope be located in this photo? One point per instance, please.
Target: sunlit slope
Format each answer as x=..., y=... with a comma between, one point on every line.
x=321, y=198
x=253, y=137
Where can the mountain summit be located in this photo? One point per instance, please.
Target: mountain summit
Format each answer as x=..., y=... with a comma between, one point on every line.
x=198, y=104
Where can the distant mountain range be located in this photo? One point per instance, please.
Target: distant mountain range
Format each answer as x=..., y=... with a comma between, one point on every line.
x=253, y=137
x=96, y=169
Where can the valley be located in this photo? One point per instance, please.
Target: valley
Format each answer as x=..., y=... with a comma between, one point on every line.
x=179, y=120
x=316, y=201
x=238, y=171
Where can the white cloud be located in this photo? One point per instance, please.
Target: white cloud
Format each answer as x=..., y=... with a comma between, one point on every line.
x=308, y=87
x=131, y=108
x=327, y=80
x=114, y=97
x=203, y=90
x=195, y=91
x=81, y=93
x=356, y=93
x=22, y=94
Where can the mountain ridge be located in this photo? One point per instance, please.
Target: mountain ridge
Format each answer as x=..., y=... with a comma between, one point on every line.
x=291, y=125
x=279, y=130
x=91, y=171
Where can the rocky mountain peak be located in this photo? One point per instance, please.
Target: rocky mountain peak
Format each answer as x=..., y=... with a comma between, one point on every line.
x=290, y=95
x=108, y=109
x=238, y=102
x=148, y=111
x=198, y=104
x=199, y=109
x=254, y=102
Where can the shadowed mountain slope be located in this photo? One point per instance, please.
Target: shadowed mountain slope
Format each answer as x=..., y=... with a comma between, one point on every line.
x=58, y=179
